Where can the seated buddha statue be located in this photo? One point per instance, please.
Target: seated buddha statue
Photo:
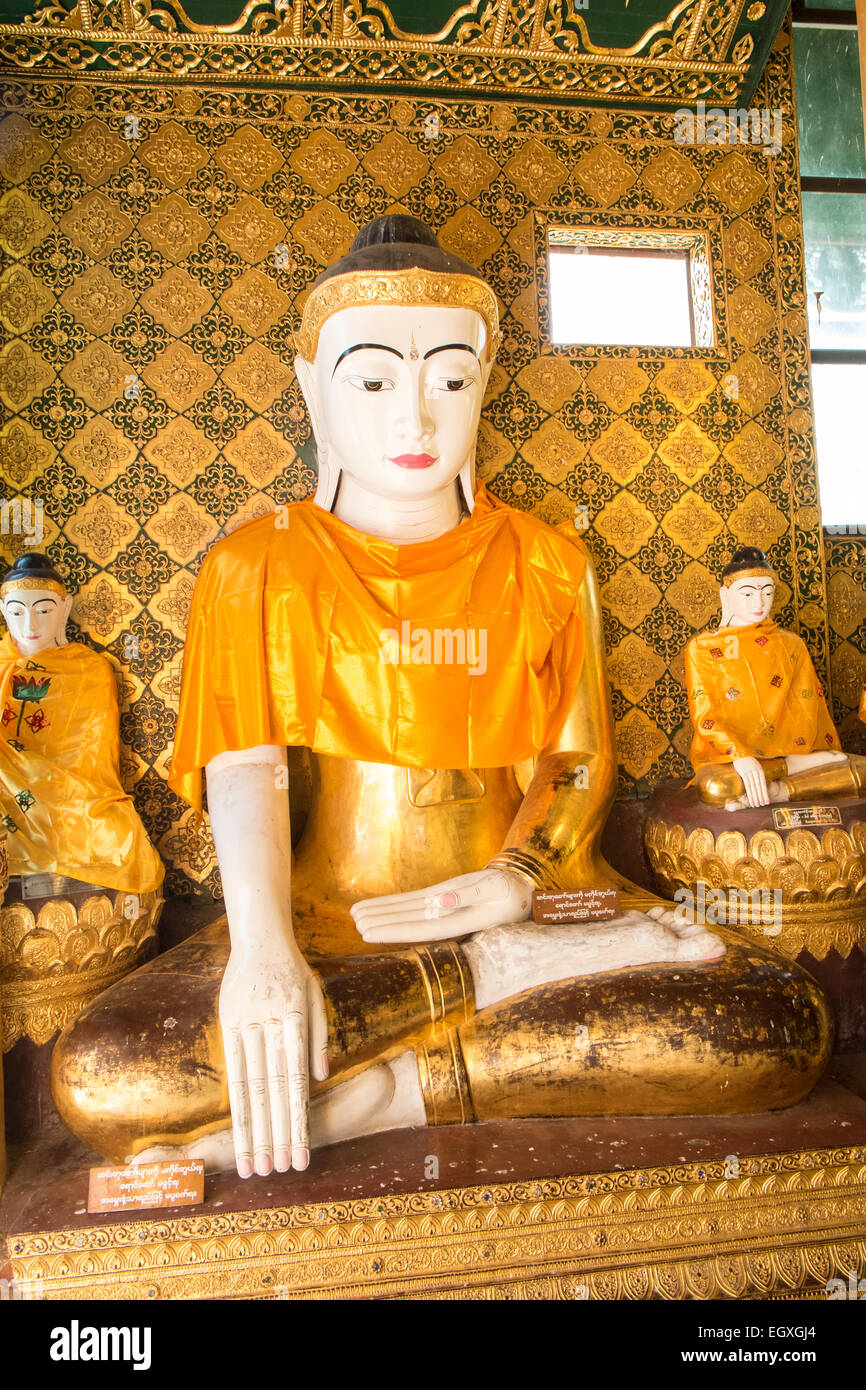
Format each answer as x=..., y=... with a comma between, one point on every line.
x=439, y=654
x=762, y=730
x=62, y=802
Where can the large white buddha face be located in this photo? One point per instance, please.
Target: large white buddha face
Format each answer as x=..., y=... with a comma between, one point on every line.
x=748, y=600
x=395, y=396
x=36, y=618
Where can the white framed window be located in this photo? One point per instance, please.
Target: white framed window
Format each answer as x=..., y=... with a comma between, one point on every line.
x=635, y=287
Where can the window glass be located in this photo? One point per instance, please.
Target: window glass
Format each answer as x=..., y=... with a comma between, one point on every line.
x=830, y=112
x=840, y=428
x=620, y=297
x=834, y=226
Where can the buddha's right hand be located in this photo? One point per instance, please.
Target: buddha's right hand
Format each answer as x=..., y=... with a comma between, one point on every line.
x=275, y=1033
x=457, y=907
x=754, y=781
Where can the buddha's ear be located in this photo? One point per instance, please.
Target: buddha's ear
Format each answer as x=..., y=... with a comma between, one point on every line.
x=466, y=482
x=305, y=372
x=726, y=611
x=487, y=360
x=329, y=478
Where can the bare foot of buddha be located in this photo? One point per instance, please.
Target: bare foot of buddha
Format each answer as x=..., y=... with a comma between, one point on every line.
x=504, y=961
x=387, y=1096
x=696, y=942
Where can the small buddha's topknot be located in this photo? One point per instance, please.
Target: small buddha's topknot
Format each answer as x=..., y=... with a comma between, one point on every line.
x=748, y=557
x=396, y=227
x=32, y=566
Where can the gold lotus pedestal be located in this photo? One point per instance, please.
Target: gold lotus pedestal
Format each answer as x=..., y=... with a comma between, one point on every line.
x=57, y=952
x=62, y=942
x=792, y=876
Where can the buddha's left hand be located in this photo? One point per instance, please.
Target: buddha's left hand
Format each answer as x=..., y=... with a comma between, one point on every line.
x=457, y=907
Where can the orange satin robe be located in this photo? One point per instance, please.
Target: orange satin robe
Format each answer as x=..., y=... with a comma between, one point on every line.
x=61, y=799
x=753, y=692
x=464, y=651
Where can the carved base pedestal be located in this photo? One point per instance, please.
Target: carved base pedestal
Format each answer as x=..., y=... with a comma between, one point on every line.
x=734, y=1206
x=57, y=953
x=735, y=863
x=785, y=1225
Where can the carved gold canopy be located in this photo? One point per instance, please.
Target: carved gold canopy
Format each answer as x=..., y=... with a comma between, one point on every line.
x=623, y=52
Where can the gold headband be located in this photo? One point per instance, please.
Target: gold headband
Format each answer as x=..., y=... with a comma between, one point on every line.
x=427, y=288
x=30, y=581
x=758, y=573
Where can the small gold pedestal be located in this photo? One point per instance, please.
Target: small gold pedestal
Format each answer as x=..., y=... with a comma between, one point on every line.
x=58, y=951
x=784, y=1226
x=793, y=877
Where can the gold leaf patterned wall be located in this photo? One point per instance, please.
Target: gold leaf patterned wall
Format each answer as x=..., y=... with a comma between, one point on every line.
x=159, y=241
x=846, y=609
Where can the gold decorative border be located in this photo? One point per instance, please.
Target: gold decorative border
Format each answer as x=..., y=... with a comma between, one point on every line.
x=414, y=286
x=535, y=48
x=754, y=1227
x=37, y=1009
x=30, y=582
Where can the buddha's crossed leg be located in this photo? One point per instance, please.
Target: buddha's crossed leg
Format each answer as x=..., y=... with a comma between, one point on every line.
x=591, y=1019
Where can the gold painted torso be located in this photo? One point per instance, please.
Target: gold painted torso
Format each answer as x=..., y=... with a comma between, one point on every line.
x=373, y=828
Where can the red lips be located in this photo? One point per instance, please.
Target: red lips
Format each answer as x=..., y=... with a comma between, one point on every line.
x=413, y=460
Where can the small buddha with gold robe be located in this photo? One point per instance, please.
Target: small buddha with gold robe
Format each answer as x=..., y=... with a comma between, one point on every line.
x=439, y=656
x=762, y=730
x=61, y=799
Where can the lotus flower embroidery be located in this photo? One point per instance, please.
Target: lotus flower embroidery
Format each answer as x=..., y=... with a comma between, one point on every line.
x=27, y=691
x=32, y=689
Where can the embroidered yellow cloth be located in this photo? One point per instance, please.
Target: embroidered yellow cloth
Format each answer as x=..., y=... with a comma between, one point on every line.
x=753, y=692
x=459, y=652
x=61, y=799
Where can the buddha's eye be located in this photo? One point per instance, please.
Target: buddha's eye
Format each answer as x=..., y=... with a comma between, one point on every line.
x=370, y=383
x=454, y=383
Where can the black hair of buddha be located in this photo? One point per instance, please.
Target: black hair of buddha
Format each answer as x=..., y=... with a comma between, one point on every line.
x=398, y=242
x=748, y=557
x=32, y=566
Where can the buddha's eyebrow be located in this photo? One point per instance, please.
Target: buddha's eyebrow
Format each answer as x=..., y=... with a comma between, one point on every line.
x=446, y=347
x=359, y=347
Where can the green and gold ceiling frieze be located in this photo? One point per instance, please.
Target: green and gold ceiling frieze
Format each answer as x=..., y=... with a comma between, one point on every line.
x=617, y=52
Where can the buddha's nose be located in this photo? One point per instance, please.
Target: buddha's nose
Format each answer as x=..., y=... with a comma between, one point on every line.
x=416, y=420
